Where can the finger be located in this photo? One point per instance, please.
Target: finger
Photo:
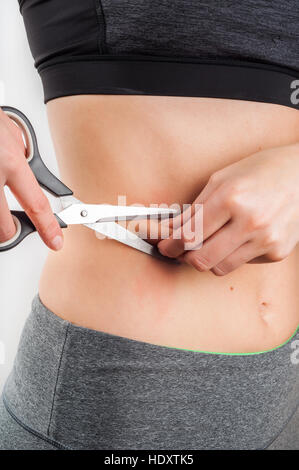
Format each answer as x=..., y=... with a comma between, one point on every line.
x=174, y=245
x=217, y=248
x=150, y=230
x=214, y=216
x=242, y=255
x=189, y=209
x=7, y=225
x=17, y=134
x=29, y=194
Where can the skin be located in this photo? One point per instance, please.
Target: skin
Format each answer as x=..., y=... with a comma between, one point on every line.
x=240, y=159
x=16, y=174
x=251, y=213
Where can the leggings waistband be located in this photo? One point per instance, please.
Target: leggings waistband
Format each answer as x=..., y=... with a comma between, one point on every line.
x=87, y=389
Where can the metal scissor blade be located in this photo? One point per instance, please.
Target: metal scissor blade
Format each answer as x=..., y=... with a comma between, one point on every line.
x=67, y=201
x=122, y=235
x=111, y=213
x=135, y=217
x=76, y=212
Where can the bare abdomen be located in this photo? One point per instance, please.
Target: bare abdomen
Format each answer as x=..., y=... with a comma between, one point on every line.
x=163, y=150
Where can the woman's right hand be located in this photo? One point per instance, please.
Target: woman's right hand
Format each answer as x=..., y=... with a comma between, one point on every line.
x=17, y=175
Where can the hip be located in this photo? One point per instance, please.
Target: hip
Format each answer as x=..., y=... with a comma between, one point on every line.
x=81, y=389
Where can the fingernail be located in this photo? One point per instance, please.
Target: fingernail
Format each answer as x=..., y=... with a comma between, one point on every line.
x=57, y=242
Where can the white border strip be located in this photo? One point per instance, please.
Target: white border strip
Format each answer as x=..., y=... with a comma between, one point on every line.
x=2, y=93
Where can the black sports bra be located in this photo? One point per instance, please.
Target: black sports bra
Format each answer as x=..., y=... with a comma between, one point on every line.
x=243, y=49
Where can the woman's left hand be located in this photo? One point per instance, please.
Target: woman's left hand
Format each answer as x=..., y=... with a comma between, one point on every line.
x=250, y=213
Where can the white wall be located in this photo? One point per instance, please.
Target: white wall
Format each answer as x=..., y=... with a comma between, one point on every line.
x=20, y=268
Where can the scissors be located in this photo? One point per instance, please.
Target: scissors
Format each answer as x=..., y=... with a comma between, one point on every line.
x=98, y=217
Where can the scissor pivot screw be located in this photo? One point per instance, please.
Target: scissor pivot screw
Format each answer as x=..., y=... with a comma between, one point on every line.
x=84, y=213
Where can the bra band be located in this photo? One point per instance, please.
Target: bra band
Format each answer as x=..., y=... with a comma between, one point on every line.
x=135, y=75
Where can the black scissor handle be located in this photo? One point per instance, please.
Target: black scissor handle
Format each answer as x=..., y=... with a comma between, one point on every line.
x=24, y=227
x=45, y=178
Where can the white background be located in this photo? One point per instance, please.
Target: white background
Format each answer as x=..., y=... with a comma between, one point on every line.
x=20, y=268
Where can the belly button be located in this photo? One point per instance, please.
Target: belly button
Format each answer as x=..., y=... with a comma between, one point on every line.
x=265, y=311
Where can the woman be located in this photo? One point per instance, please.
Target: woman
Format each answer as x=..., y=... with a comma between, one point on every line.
x=162, y=102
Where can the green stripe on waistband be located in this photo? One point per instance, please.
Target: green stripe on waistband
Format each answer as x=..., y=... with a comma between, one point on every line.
x=238, y=354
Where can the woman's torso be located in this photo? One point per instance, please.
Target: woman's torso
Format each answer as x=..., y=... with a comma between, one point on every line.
x=163, y=150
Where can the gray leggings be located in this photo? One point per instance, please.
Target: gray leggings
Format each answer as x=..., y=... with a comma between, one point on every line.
x=75, y=388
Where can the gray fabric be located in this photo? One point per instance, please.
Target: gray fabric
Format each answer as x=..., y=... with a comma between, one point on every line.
x=85, y=389
x=15, y=437
x=256, y=30
x=32, y=383
x=288, y=439
x=259, y=30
